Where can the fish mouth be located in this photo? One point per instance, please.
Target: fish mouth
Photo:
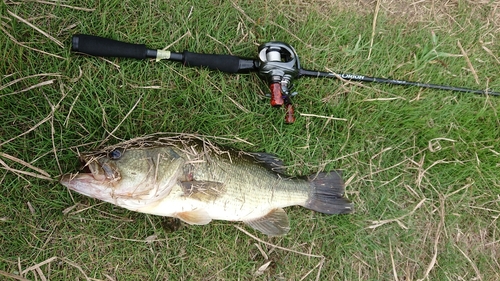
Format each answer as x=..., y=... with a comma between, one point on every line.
x=87, y=184
x=84, y=168
x=84, y=183
x=70, y=180
x=93, y=177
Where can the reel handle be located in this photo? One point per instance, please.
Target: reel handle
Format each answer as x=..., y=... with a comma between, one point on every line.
x=278, y=100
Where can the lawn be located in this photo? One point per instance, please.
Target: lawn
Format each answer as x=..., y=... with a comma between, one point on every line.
x=421, y=165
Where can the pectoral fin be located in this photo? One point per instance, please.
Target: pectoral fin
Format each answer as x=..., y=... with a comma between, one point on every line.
x=202, y=190
x=198, y=217
x=275, y=223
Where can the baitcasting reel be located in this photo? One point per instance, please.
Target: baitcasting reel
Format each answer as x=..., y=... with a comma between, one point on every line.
x=279, y=65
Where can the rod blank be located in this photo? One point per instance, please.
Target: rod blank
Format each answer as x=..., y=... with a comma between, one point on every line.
x=362, y=78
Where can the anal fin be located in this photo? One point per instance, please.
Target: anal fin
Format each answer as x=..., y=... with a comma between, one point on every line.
x=275, y=223
x=198, y=217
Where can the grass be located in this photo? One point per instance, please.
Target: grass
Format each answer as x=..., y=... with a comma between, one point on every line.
x=421, y=165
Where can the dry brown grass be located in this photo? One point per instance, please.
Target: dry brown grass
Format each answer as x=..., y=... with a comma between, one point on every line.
x=413, y=11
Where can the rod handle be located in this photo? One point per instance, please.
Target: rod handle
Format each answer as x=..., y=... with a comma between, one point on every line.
x=224, y=63
x=105, y=47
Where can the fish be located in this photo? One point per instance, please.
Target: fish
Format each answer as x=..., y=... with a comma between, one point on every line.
x=190, y=178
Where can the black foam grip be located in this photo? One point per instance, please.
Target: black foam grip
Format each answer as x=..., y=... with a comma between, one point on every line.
x=225, y=63
x=104, y=47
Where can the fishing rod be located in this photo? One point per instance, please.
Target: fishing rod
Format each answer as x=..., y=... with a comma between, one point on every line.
x=277, y=62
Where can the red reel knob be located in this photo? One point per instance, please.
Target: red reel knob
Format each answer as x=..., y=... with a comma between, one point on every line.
x=289, y=117
x=276, y=96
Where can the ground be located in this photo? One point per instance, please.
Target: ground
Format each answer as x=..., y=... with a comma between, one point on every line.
x=420, y=165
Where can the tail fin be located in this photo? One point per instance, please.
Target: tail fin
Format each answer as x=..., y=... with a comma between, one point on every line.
x=327, y=194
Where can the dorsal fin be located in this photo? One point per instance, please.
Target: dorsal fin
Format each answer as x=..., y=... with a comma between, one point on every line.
x=269, y=161
x=275, y=223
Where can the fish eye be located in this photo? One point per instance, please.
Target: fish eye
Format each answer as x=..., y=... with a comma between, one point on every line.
x=115, y=154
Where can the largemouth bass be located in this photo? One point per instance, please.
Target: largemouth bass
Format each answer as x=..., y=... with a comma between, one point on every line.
x=187, y=177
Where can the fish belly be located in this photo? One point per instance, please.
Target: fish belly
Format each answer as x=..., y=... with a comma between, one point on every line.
x=235, y=204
